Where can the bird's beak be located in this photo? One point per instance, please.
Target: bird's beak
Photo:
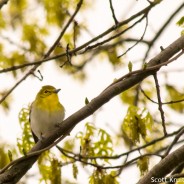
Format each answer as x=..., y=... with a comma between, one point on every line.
x=57, y=90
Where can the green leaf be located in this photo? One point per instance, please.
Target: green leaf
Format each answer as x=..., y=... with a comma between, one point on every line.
x=101, y=177
x=181, y=22
x=145, y=66
x=143, y=164
x=130, y=96
x=95, y=142
x=6, y=154
x=136, y=123
x=10, y=155
x=75, y=171
x=174, y=95
x=130, y=66
x=86, y=101
x=25, y=143
x=113, y=56
x=49, y=168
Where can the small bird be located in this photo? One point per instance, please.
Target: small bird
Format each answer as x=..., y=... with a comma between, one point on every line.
x=46, y=112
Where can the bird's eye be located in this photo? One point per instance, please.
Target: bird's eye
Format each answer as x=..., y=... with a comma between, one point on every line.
x=46, y=91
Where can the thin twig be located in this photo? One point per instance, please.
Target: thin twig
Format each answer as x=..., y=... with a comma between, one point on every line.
x=113, y=13
x=144, y=32
x=160, y=103
x=163, y=103
x=79, y=159
x=125, y=153
x=160, y=31
x=114, y=36
x=147, y=9
x=75, y=30
x=180, y=133
x=105, y=47
x=64, y=29
x=38, y=77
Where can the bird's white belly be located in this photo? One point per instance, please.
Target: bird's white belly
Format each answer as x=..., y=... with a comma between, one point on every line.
x=45, y=122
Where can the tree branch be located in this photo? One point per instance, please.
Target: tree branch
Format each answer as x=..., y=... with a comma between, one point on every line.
x=160, y=103
x=83, y=46
x=164, y=167
x=15, y=173
x=3, y=2
x=113, y=13
x=157, y=35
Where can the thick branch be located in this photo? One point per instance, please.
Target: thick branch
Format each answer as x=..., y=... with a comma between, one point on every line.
x=164, y=167
x=14, y=174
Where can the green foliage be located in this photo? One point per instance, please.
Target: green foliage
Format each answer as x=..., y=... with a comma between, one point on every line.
x=101, y=177
x=143, y=164
x=136, y=123
x=32, y=34
x=49, y=168
x=16, y=11
x=95, y=142
x=174, y=95
x=129, y=96
x=5, y=105
x=69, y=144
x=113, y=56
x=25, y=143
x=10, y=155
x=55, y=11
x=5, y=157
x=181, y=24
x=2, y=22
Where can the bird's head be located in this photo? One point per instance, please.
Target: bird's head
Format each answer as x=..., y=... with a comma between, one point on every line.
x=48, y=92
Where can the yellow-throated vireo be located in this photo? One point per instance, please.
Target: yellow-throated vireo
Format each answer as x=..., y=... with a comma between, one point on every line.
x=46, y=112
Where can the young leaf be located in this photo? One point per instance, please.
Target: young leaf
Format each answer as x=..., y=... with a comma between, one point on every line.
x=86, y=101
x=10, y=155
x=143, y=164
x=130, y=66
x=75, y=171
x=136, y=123
x=181, y=22
x=26, y=142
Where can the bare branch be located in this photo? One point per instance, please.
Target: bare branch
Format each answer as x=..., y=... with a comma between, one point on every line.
x=180, y=133
x=160, y=103
x=113, y=13
x=144, y=32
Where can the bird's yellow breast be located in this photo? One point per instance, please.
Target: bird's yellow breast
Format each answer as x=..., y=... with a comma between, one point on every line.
x=49, y=103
